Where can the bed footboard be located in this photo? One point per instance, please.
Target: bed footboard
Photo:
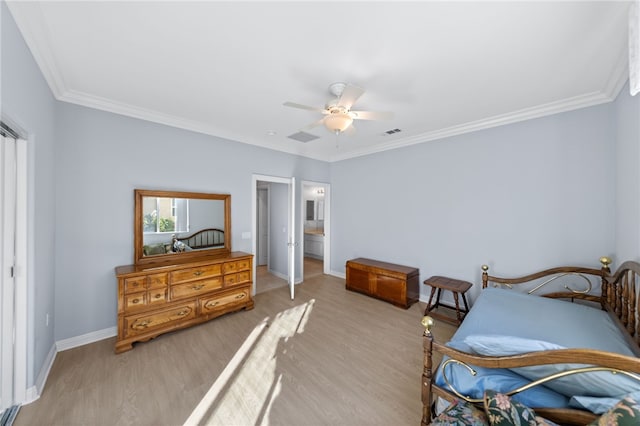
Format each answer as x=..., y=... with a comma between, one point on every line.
x=620, y=297
x=594, y=360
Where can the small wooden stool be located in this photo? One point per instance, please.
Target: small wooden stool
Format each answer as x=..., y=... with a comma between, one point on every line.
x=456, y=287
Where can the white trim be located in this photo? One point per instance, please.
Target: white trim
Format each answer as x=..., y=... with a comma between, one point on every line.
x=85, y=339
x=35, y=34
x=342, y=275
x=279, y=275
x=23, y=269
x=565, y=105
x=34, y=392
x=254, y=210
x=326, y=255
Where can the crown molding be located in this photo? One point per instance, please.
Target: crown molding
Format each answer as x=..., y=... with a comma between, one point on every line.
x=36, y=35
x=612, y=88
x=551, y=108
x=121, y=108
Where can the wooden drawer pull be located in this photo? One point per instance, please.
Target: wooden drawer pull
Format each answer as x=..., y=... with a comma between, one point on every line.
x=211, y=304
x=197, y=286
x=141, y=324
x=135, y=300
x=158, y=296
x=197, y=273
x=183, y=312
x=240, y=296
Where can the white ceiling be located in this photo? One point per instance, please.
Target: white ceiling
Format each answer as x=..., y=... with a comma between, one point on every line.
x=225, y=68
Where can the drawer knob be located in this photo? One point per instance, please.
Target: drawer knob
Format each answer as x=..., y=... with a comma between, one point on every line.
x=135, y=300
x=197, y=286
x=211, y=304
x=240, y=296
x=183, y=312
x=158, y=296
x=141, y=324
x=197, y=273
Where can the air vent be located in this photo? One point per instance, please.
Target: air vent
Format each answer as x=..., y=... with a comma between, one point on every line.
x=391, y=132
x=303, y=137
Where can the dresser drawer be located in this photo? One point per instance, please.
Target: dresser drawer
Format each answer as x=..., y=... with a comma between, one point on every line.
x=213, y=303
x=157, y=296
x=137, y=324
x=190, y=274
x=157, y=281
x=238, y=265
x=195, y=288
x=239, y=278
x=135, y=284
x=135, y=301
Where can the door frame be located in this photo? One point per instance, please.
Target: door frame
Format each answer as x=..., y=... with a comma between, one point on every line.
x=326, y=255
x=290, y=224
x=21, y=271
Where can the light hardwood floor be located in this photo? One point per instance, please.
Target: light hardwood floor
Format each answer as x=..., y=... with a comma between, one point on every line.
x=329, y=357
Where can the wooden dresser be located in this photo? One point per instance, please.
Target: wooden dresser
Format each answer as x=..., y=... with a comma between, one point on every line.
x=155, y=299
x=387, y=281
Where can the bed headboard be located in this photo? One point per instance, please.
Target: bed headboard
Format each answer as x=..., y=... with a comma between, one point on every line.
x=619, y=295
x=205, y=238
x=580, y=288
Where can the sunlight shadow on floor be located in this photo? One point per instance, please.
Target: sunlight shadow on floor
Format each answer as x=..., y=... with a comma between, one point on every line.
x=246, y=389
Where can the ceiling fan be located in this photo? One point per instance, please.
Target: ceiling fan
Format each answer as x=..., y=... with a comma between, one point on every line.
x=338, y=116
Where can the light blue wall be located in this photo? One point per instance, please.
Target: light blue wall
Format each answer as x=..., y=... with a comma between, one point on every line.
x=101, y=159
x=518, y=197
x=627, y=207
x=27, y=101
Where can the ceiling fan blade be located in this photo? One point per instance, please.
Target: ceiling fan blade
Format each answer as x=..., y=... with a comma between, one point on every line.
x=307, y=107
x=371, y=115
x=350, y=95
x=312, y=125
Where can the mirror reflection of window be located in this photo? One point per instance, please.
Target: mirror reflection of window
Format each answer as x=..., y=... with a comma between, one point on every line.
x=161, y=214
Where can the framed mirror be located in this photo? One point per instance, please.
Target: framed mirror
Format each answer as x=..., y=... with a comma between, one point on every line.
x=172, y=225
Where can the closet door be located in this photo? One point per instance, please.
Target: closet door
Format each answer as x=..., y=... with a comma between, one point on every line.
x=8, y=187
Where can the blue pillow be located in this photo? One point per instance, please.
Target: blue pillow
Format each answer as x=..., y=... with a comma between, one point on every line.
x=499, y=379
x=600, y=384
x=598, y=405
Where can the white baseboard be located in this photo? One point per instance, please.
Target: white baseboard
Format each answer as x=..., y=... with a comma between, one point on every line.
x=34, y=392
x=342, y=275
x=279, y=275
x=85, y=339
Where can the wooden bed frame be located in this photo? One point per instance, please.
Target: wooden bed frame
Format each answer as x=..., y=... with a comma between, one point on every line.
x=620, y=297
x=205, y=238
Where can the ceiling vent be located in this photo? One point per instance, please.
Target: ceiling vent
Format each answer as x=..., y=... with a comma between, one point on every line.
x=391, y=132
x=303, y=137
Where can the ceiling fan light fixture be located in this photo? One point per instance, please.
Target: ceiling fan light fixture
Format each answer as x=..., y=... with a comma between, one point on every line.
x=338, y=122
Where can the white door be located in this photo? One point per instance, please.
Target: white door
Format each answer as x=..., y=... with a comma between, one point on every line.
x=7, y=259
x=293, y=245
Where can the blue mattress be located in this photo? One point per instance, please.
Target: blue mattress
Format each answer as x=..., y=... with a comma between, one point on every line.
x=508, y=313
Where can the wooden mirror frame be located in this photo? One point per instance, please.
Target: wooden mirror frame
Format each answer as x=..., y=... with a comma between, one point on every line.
x=138, y=240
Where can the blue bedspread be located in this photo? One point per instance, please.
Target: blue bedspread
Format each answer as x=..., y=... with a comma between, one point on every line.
x=510, y=313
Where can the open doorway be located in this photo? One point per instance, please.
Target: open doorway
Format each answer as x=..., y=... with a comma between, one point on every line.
x=273, y=233
x=316, y=226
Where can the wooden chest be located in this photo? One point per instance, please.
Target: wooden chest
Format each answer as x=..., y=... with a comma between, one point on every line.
x=393, y=283
x=156, y=299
